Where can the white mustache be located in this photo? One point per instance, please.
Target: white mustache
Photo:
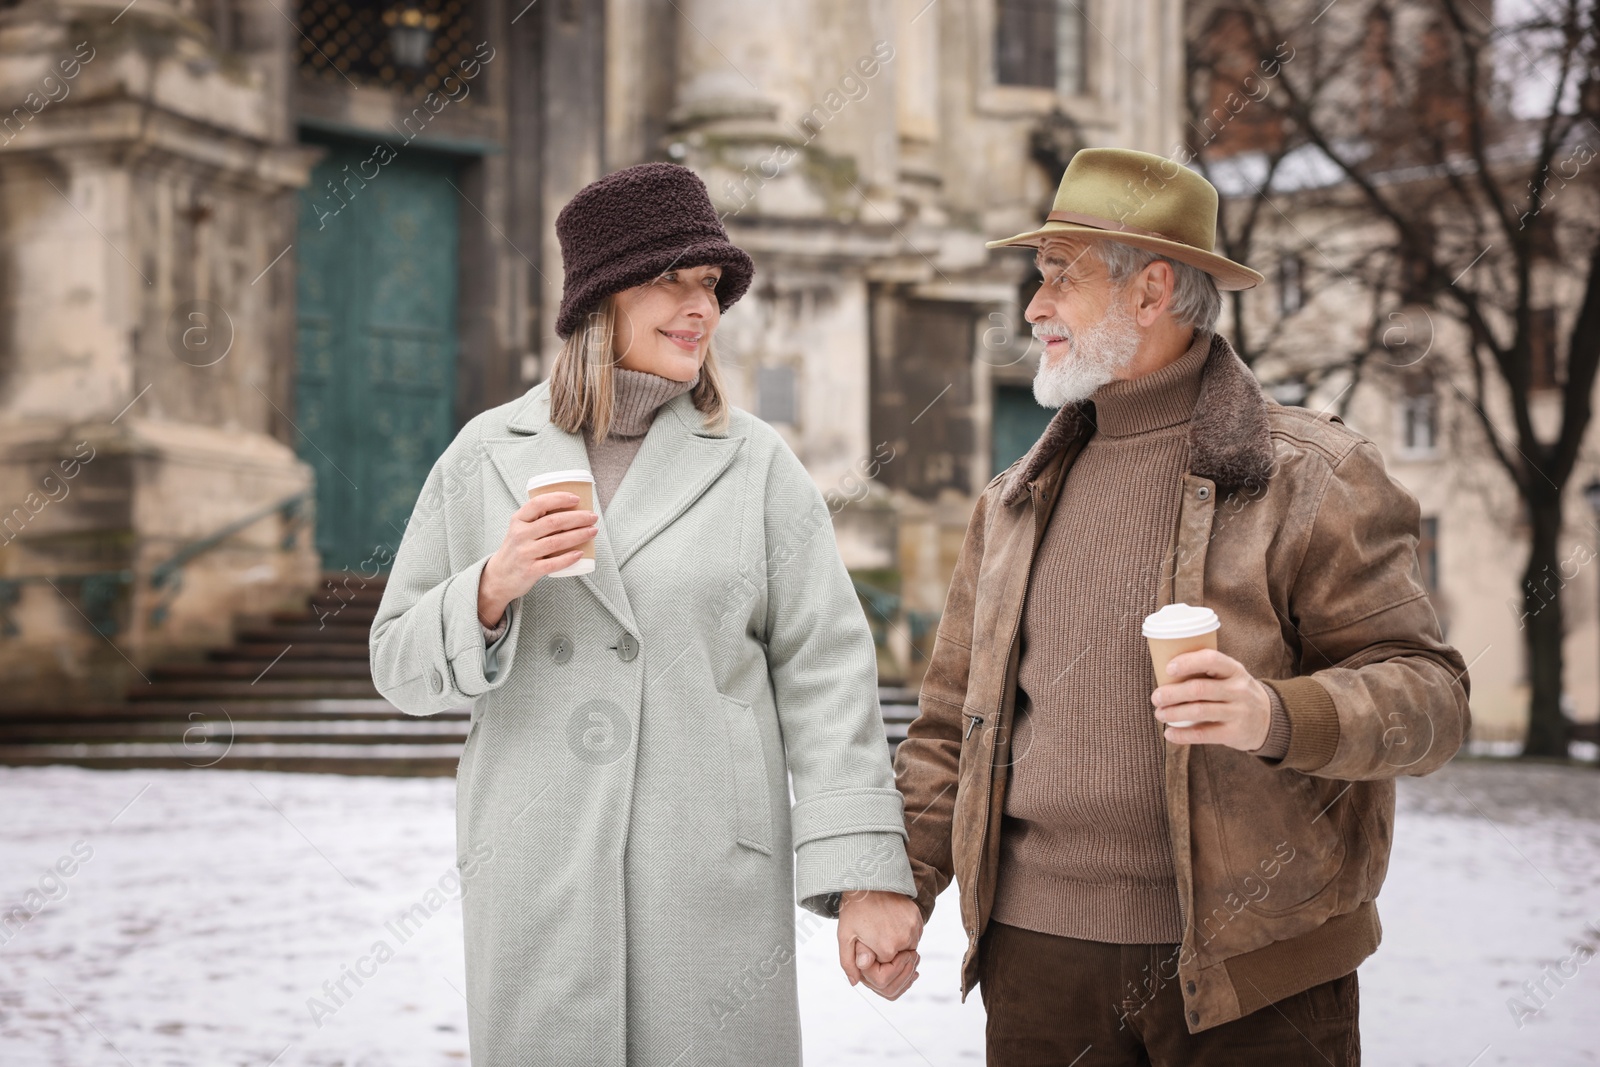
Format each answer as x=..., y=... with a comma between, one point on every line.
x=1047, y=333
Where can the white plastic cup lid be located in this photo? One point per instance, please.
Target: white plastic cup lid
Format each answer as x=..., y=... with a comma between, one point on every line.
x=553, y=477
x=1180, y=620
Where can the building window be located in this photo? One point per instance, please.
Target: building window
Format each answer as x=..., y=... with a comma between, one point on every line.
x=775, y=394
x=1291, y=284
x=1428, y=553
x=410, y=46
x=1542, y=349
x=1041, y=42
x=1419, y=418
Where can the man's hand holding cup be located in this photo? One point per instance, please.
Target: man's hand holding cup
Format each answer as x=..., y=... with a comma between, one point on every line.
x=1202, y=696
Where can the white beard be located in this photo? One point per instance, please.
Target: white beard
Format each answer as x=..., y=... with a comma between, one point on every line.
x=1096, y=356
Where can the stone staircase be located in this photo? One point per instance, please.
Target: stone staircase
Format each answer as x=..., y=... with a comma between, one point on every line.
x=292, y=693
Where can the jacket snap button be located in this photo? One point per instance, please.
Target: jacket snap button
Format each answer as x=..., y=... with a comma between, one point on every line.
x=560, y=649
x=627, y=647
x=436, y=680
x=1194, y=1016
x=1189, y=988
x=1205, y=493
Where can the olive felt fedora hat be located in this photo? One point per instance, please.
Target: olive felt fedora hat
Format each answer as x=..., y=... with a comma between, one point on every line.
x=1144, y=200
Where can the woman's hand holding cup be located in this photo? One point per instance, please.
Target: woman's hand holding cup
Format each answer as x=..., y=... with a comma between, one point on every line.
x=546, y=534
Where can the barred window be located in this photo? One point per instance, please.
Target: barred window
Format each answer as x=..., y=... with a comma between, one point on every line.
x=410, y=46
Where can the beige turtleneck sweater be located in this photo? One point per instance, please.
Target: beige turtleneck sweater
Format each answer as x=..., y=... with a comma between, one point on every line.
x=638, y=395
x=1084, y=847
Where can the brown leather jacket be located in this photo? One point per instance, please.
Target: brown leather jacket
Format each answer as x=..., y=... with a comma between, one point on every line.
x=1293, y=533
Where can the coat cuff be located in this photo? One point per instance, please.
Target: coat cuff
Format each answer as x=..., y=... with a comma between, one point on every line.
x=849, y=839
x=1313, y=722
x=829, y=866
x=463, y=634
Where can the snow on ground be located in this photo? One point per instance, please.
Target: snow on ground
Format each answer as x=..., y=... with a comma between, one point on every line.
x=201, y=918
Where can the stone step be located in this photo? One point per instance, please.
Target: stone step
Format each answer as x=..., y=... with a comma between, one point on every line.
x=321, y=758
x=332, y=708
x=251, y=670
x=305, y=632
x=221, y=729
x=329, y=613
x=268, y=687
x=265, y=652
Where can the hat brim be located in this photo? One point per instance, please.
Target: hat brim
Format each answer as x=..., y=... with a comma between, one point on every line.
x=1228, y=275
x=738, y=270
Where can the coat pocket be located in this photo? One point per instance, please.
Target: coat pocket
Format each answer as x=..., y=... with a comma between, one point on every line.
x=752, y=803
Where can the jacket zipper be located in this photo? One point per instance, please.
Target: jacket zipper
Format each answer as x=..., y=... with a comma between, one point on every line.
x=977, y=720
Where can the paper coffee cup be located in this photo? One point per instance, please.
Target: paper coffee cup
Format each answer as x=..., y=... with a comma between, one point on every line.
x=580, y=482
x=1174, y=630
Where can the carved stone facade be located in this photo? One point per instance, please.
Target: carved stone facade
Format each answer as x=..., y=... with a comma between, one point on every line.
x=256, y=269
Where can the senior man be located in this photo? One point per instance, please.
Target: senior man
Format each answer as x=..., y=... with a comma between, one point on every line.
x=1136, y=891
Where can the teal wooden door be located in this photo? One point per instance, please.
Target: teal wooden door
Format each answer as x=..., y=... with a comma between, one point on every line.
x=1018, y=422
x=376, y=342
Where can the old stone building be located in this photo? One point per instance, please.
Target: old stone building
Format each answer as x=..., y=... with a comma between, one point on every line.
x=261, y=259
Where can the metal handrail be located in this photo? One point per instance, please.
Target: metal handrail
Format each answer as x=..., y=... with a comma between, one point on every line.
x=98, y=589
x=168, y=575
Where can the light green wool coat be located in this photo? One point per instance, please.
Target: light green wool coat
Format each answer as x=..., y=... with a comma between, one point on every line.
x=623, y=809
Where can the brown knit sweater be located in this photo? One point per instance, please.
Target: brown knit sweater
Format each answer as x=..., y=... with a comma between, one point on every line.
x=1084, y=848
x=638, y=395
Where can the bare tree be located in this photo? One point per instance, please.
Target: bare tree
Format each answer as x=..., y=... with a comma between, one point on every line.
x=1242, y=137
x=1466, y=139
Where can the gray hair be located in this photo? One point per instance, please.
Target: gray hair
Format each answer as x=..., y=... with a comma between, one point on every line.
x=1195, y=300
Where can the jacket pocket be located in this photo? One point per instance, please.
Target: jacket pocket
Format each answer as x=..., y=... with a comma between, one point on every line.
x=752, y=803
x=1282, y=833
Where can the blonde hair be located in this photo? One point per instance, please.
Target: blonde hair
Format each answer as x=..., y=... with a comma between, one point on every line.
x=583, y=382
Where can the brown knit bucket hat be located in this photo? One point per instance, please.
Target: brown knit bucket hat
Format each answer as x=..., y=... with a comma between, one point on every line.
x=632, y=225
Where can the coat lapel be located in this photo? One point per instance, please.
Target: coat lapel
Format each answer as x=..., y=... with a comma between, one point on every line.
x=677, y=461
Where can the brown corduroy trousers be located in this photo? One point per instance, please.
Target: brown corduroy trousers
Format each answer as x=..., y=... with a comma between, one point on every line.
x=1065, y=1001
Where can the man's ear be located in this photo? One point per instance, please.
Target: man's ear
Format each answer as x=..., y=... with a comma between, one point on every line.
x=1154, y=294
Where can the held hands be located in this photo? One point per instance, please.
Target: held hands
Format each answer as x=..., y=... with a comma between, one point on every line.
x=878, y=935
x=1227, y=705
x=541, y=538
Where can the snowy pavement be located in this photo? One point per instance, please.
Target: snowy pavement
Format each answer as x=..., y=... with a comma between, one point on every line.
x=209, y=918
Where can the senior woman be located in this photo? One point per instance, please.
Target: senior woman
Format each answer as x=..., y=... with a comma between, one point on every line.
x=624, y=828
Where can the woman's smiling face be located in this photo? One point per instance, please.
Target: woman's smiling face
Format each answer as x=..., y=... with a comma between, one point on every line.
x=664, y=326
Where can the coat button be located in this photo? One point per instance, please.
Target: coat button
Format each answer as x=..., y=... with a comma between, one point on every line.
x=1189, y=988
x=627, y=647
x=1194, y=1016
x=435, y=680
x=560, y=648
x=1204, y=492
